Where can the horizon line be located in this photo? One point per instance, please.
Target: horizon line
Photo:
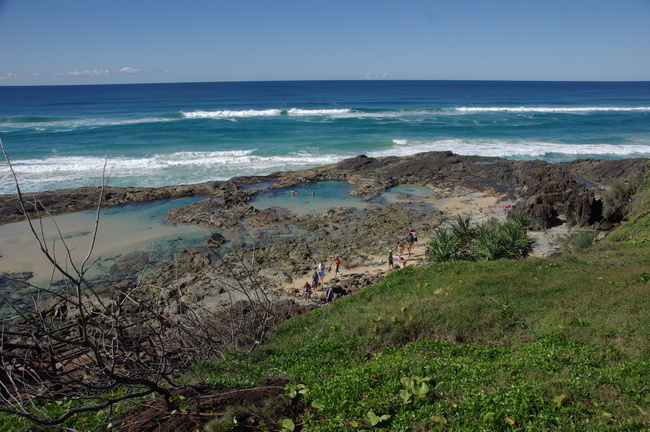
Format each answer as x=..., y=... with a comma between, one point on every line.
x=328, y=80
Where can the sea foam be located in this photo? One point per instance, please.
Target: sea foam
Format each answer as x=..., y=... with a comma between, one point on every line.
x=264, y=113
x=514, y=149
x=67, y=125
x=566, y=110
x=186, y=167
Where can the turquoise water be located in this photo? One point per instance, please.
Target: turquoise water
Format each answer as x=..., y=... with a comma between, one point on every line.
x=310, y=198
x=406, y=193
x=322, y=196
x=169, y=134
x=135, y=228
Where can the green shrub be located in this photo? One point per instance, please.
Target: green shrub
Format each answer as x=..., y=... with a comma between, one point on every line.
x=443, y=246
x=487, y=242
x=616, y=200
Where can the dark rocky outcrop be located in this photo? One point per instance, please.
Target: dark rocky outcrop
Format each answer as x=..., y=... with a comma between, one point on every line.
x=71, y=200
x=548, y=193
x=215, y=240
x=602, y=172
x=551, y=195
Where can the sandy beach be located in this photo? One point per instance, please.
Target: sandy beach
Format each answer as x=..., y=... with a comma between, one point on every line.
x=479, y=206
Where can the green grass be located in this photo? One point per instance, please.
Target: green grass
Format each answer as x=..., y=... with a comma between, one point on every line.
x=512, y=345
x=509, y=345
x=539, y=344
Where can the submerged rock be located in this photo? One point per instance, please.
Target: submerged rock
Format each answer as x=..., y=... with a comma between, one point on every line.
x=215, y=240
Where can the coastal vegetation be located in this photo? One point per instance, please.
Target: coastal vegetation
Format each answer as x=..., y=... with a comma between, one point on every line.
x=470, y=342
x=488, y=241
x=537, y=344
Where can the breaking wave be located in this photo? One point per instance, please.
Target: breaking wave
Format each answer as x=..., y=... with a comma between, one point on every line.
x=515, y=149
x=154, y=171
x=266, y=113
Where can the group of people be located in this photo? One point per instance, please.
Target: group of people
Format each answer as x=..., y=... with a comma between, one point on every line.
x=318, y=278
x=295, y=192
x=399, y=259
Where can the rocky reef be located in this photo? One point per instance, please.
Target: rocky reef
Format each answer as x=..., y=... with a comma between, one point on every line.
x=548, y=193
x=277, y=246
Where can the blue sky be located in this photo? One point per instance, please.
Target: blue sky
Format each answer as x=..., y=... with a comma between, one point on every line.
x=44, y=42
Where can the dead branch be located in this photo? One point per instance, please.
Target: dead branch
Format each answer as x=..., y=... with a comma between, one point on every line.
x=83, y=342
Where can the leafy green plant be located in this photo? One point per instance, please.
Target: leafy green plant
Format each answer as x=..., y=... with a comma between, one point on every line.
x=375, y=419
x=414, y=387
x=287, y=425
x=443, y=246
x=294, y=390
x=643, y=277
x=489, y=241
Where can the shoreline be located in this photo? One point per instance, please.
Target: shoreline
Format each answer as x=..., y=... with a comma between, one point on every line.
x=551, y=195
x=369, y=176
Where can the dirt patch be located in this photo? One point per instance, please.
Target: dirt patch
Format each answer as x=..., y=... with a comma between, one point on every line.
x=259, y=408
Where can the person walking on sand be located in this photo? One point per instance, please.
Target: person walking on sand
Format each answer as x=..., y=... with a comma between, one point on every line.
x=314, y=280
x=337, y=266
x=321, y=273
x=409, y=246
x=400, y=248
x=413, y=236
x=307, y=289
x=390, y=259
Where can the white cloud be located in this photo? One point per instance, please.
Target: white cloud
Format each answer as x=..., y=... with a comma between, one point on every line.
x=102, y=73
x=85, y=73
x=9, y=75
x=131, y=71
x=372, y=75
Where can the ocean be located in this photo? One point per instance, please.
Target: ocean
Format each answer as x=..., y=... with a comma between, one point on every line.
x=167, y=134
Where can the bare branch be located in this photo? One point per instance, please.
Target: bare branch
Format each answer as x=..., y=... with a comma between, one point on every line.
x=85, y=342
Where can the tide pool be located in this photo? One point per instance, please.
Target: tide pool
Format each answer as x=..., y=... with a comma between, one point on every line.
x=134, y=228
x=310, y=198
x=407, y=193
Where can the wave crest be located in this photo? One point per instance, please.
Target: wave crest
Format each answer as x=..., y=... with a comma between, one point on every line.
x=567, y=110
x=264, y=113
x=514, y=149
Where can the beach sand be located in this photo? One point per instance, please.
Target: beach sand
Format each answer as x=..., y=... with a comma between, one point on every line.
x=479, y=206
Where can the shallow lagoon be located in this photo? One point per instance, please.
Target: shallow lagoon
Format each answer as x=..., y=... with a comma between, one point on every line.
x=141, y=228
x=122, y=230
x=403, y=193
x=321, y=196
x=310, y=198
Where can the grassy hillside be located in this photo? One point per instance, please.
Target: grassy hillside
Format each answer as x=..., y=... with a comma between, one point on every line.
x=538, y=344
x=530, y=345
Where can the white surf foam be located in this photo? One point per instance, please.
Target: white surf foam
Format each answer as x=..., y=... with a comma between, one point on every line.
x=58, y=172
x=74, y=124
x=265, y=113
x=230, y=114
x=514, y=149
x=568, y=110
x=67, y=125
x=157, y=170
